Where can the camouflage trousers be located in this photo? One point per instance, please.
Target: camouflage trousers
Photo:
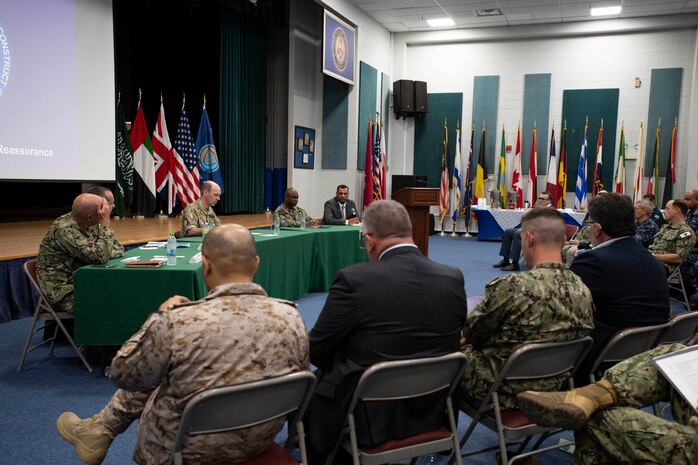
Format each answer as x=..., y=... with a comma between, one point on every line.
x=625, y=434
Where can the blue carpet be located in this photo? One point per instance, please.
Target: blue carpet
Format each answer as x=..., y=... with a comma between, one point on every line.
x=30, y=401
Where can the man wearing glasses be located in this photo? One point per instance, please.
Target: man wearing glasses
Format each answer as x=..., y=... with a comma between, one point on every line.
x=511, y=241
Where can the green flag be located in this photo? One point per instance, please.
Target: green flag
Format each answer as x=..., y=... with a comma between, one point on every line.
x=123, y=195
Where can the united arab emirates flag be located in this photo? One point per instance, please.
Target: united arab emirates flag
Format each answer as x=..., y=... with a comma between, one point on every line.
x=143, y=162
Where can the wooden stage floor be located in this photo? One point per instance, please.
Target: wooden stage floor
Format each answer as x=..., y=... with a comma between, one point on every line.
x=21, y=239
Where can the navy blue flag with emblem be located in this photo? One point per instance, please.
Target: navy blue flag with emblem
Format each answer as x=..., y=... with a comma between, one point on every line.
x=209, y=163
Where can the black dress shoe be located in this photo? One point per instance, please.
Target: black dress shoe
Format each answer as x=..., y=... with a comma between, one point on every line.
x=511, y=267
x=501, y=264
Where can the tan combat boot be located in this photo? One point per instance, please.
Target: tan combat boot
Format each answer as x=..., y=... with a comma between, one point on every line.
x=89, y=436
x=567, y=409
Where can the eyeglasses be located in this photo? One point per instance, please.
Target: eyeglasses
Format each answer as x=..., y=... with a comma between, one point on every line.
x=589, y=222
x=362, y=236
x=542, y=198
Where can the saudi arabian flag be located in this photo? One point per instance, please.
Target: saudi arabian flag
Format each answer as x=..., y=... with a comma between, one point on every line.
x=123, y=195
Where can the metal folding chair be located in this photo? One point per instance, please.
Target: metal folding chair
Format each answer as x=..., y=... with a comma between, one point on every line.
x=229, y=408
x=626, y=343
x=528, y=362
x=44, y=312
x=682, y=328
x=675, y=281
x=407, y=379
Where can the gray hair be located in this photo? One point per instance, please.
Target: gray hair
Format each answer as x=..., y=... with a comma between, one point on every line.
x=645, y=205
x=387, y=218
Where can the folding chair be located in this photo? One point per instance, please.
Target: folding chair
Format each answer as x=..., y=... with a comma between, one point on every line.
x=44, y=312
x=675, y=281
x=626, y=343
x=229, y=408
x=528, y=362
x=399, y=380
x=682, y=328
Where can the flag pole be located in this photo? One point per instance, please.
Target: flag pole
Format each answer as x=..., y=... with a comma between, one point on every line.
x=455, y=207
x=445, y=163
x=139, y=215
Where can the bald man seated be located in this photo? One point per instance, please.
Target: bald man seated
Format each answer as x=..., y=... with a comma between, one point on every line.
x=234, y=335
x=199, y=215
x=81, y=237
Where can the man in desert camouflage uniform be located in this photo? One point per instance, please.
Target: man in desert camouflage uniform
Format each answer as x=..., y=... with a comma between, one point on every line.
x=610, y=426
x=199, y=214
x=547, y=304
x=234, y=335
x=675, y=239
x=76, y=239
x=289, y=212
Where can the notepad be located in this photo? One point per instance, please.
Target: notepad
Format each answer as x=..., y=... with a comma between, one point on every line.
x=680, y=368
x=144, y=264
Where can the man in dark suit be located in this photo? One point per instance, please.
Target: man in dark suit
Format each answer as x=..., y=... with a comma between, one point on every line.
x=340, y=209
x=628, y=285
x=400, y=305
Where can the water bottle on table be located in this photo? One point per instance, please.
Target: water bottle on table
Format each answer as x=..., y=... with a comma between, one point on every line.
x=303, y=222
x=171, y=250
x=277, y=225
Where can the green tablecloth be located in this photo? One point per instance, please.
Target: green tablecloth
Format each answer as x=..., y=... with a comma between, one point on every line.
x=112, y=303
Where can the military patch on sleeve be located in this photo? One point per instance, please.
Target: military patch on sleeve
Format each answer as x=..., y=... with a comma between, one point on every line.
x=685, y=234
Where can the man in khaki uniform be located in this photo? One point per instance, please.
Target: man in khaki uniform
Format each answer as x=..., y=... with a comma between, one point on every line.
x=289, y=213
x=675, y=239
x=81, y=237
x=549, y=303
x=199, y=214
x=234, y=335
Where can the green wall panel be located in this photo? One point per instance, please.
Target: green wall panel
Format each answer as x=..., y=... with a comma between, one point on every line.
x=536, y=109
x=485, y=103
x=665, y=96
x=429, y=135
x=368, y=88
x=335, y=123
x=596, y=104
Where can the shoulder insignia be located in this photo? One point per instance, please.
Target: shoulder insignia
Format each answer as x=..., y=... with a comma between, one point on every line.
x=685, y=234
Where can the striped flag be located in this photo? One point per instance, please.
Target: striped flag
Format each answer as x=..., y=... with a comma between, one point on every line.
x=456, y=183
x=532, y=186
x=580, y=193
x=619, y=179
x=551, y=184
x=502, y=173
x=653, y=182
x=516, y=179
x=443, y=193
x=481, y=173
x=377, y=162
x=186, y=168
x=144, y=180
x=670, y=172
x=562, y=170
x=598, y=167
x=639, y=169
x=384, y=163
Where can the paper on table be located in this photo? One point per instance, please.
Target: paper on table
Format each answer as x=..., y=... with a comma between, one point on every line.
x=680, y=368
x=148, y=247
x=156, y=244
x=131, y=259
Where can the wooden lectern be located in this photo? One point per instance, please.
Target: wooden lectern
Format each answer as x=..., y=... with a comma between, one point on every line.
x=417, y=201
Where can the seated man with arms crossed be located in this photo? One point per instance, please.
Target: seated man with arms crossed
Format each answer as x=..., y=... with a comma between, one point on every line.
x=234, y=335
x=646, y=227
x=511, y=241
x=610, y=427
x=399, y=306
x=81, y=237
x=290, y=214
x=547, y=304
x=340, y=209
x=675, y=239
x=199, y=214
x=628, y=285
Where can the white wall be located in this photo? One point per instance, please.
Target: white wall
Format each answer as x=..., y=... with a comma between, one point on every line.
x=449, y=62
x=305, y=91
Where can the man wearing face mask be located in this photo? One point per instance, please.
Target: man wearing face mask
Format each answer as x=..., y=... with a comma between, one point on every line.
x=377, y=311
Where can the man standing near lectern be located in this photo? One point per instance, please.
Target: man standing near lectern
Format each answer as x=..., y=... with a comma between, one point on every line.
x=340, y=209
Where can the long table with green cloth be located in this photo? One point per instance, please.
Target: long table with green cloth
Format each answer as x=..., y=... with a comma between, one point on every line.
x=112, y=303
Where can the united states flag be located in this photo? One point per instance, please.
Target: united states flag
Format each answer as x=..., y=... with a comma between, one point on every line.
x=186, y=167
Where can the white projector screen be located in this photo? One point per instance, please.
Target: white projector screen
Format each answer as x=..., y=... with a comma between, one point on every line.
x=57, y=107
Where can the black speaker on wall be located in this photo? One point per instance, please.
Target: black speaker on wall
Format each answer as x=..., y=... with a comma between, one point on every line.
x=420, y=97
x=403, y=97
